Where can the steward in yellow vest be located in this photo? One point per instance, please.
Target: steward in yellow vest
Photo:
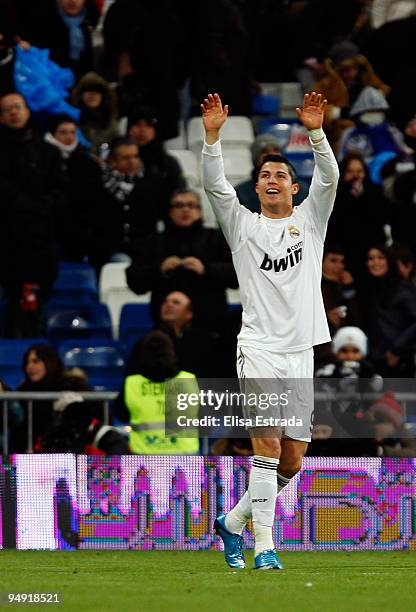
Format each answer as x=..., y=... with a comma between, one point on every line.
x=145, y=401
x=142, y=401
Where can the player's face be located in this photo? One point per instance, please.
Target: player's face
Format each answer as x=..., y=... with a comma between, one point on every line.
x=176, y=308
x=275, y=188
x=377, y=264
x=35, y=367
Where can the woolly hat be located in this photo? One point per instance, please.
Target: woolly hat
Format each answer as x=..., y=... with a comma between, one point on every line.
x=350, y=335
x=261, y=143
x=369, y=99
x=387, y=408
x=343, y=51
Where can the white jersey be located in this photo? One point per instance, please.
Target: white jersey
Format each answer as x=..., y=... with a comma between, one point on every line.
x=278, y=261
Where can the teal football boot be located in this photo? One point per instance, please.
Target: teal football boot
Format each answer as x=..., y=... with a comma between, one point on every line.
x=233, y=544
x=268, y=559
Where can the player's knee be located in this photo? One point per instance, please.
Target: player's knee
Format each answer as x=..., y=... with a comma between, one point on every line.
x=266, y=447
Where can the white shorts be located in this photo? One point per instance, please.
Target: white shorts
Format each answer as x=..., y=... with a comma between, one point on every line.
x=280, y=373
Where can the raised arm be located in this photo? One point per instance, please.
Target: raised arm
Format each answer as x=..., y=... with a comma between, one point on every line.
x=220, y=193
x=320, y=200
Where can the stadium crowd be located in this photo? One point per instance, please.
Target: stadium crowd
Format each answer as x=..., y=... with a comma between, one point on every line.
x=94, y=180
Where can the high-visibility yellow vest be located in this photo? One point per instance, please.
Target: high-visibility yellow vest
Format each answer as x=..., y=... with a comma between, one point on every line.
x=145, y=400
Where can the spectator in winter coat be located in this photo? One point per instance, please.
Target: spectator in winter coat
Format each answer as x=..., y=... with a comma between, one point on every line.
x=338, y=292
x=97, y=101
x=123, y=202
x=373, y=135
x=62, y=26
x=343, y=425
x=43, y=371
x=148, y=49
x=360, y=213
x=143, y=126
x=31, y=196
x=186, y=257
x=79, y=166
x=388, y=304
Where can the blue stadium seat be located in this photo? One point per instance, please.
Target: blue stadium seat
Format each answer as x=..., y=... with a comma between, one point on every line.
x=265, y=104
x=102, y=361
x=303, y=164
x=135, y=322
x=68, y=321
x=76, y=281
x=11, y=359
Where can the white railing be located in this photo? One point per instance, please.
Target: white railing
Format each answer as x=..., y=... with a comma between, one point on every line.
x=8, y=396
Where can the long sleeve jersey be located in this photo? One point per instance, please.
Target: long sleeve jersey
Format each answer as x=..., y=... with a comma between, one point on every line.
x=278, y=261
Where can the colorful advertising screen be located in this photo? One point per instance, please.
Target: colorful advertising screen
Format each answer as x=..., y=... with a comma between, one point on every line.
x=74, y=502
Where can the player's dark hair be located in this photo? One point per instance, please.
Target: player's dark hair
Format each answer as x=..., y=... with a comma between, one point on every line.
x=279, y=159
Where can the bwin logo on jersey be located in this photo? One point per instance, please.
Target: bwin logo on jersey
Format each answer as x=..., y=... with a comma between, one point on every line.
x=293, y=257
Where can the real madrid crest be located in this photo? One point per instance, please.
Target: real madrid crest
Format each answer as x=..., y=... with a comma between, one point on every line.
x=293, y=232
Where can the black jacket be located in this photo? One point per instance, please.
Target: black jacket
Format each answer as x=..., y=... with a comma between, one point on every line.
x=31, y=197
x=356, y=223
x=74, y=232
x=40, y=24
x=390, y=317
x=162, y=167
x=116, y=226
x=206, y=291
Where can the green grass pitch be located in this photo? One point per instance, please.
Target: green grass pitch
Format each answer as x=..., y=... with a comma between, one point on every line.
x=200, y=581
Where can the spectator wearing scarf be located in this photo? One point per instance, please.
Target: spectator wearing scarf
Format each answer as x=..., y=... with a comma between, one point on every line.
x=64, y=27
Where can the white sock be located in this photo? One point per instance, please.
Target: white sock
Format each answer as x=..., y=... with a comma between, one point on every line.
x=237, y=518
x=263, y=493
x=282, y=481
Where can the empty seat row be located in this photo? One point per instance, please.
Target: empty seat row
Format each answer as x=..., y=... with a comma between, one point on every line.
x=103, y=361
x=237, y=165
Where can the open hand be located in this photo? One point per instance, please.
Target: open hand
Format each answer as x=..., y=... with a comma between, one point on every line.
x=214, y=115
x=311, y=114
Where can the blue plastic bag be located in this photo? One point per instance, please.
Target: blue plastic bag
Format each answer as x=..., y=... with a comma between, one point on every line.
x=44, y=84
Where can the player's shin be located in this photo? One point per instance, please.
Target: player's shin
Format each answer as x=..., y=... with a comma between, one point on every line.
x=237, y=518
x=263, y=493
